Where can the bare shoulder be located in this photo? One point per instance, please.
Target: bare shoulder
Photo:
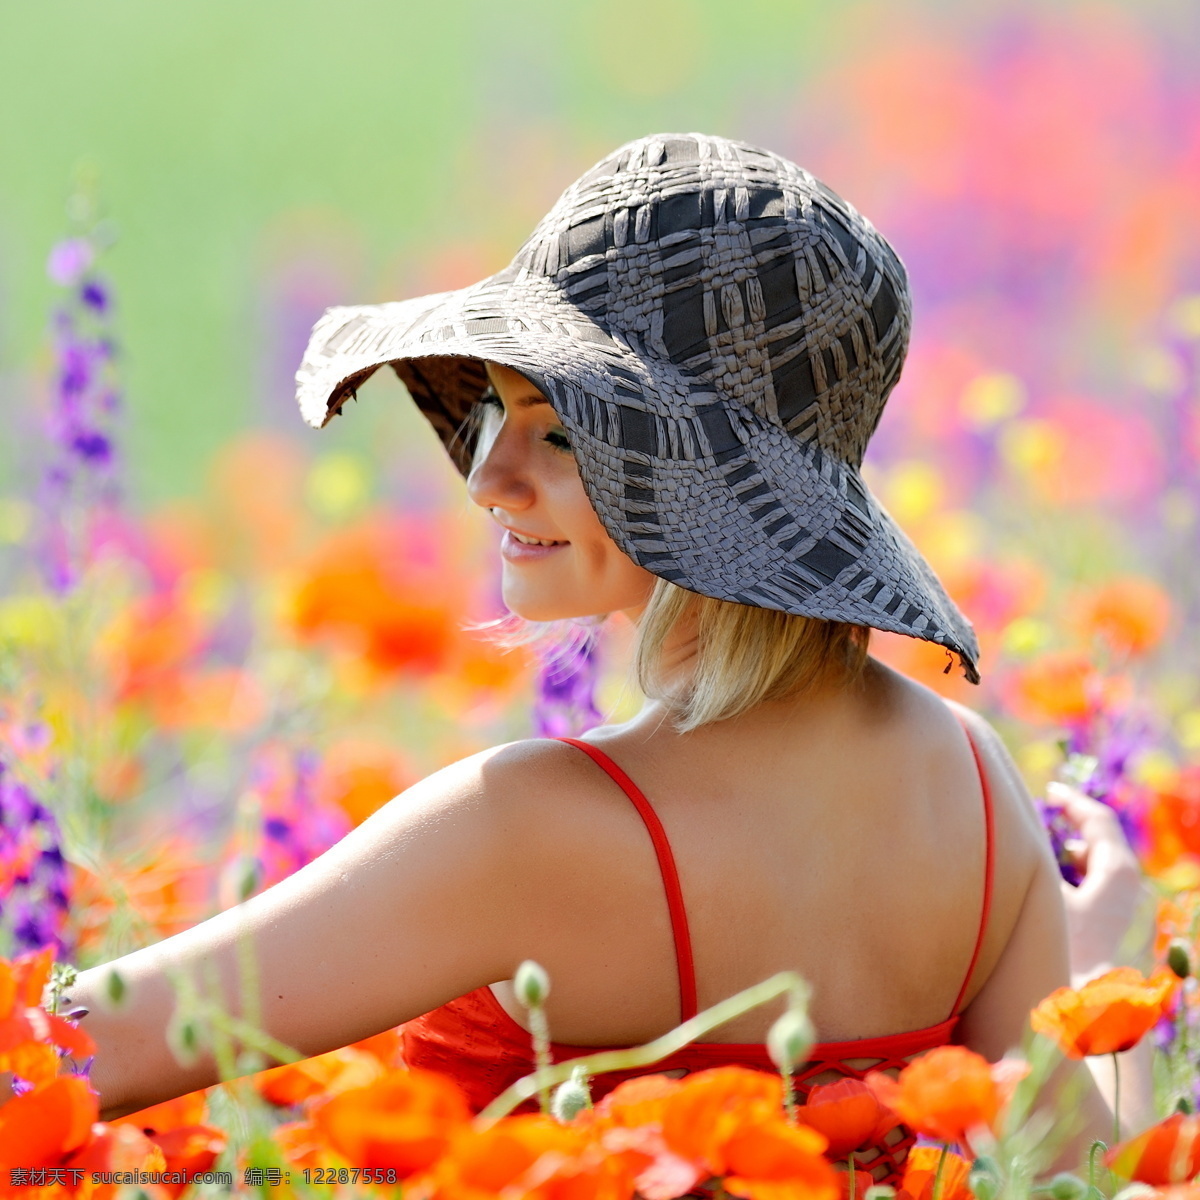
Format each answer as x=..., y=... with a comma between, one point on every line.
x=1008, y=785
x=1025, y=875
x=540, y=782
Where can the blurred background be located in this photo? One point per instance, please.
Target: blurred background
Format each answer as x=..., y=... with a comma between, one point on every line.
x=210, y=613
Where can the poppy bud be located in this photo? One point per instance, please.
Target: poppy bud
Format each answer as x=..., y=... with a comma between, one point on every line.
x=879, y=1191
x=1065, y=1186
x=1178, y=958
x=531, y=984
x=572, y=1097
x=789, y=1040
x=1184, y=1105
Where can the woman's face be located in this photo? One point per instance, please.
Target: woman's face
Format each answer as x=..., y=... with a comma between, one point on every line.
x=558, y=560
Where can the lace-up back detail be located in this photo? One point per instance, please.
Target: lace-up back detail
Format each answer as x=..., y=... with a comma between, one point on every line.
x=474, y=1040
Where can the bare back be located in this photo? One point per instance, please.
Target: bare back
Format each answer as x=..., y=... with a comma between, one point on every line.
x=841, y=836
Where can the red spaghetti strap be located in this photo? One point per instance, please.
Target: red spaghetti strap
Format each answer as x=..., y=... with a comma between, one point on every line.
x=666, y=866
x=989, y=865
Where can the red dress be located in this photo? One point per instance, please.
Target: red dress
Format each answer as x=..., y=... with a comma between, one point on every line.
x=474, y=1040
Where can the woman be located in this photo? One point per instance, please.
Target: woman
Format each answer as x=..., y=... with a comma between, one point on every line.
x=674, y=383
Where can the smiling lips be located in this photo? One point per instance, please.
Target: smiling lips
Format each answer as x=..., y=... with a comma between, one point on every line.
x=521, y=548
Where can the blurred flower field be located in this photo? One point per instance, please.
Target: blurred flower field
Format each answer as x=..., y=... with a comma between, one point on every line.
x=197, y=699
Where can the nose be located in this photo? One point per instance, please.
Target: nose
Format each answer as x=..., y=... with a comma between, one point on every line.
x=497, y=478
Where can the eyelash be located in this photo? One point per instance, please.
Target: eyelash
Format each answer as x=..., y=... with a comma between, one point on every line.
x=559, y=441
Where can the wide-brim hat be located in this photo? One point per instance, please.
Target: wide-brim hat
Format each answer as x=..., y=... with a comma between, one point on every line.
x=717, y=331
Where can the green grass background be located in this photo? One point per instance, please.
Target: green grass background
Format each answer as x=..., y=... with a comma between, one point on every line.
x=380, y=138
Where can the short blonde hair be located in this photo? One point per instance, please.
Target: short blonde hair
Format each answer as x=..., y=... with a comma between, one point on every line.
x=744, y=655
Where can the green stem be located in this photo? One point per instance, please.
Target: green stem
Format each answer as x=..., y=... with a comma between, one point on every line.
x=651, y=1052
x=937, y=1175
x=1097, y=1147
x=540, y=1028
x=850, y=1168
x=789, y=1099
x=1116, y=1099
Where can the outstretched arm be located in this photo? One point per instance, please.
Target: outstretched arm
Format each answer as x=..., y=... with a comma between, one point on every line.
x=422, y=902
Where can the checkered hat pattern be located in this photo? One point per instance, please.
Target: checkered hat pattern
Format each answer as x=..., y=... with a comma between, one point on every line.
x=718, y=333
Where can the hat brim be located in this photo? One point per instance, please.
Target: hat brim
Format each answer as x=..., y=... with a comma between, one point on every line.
x=712, y=498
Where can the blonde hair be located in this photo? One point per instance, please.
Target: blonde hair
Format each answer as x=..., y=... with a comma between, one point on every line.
x=744, y=655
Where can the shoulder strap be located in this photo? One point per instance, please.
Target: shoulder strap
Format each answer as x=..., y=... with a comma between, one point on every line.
x=666, y=866
x=989, y=865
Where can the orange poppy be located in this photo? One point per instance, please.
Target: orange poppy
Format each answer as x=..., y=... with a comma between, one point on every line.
x=177, y=1128
x=42, y=1127
x=920, y=1172
x=1173, y=825
x=1058, y=686
x=511, y=1158
x=361, y=776
x=117, y=1148
x=28, y=1034
x=170, y=1114
x=944, y=1094
x=325, y=1074
x=404, y=1120
x=710, y=1107
x=188, y=1150
x=848, y=1113
x=1130, y=614
x=635, y=1102
x=1106, y=1015
x=1168, y=1152
x=775, y=1160
x=364, y=592
x=387, y=1047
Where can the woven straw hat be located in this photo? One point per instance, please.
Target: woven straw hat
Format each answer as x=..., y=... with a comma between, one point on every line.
x=717, y=332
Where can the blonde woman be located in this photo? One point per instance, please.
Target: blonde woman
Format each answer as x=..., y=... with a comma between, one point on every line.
x=663, y=405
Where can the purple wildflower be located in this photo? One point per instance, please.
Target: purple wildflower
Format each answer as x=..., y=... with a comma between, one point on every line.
x=566, y=690
x=78, y=481
x=69, y=259
x=1165, y=1033
x=34, y=884
x=295, y=826
x=95, y=295
x=1060, y=831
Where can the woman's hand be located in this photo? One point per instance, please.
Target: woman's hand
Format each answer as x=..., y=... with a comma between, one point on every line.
x=1110, y=915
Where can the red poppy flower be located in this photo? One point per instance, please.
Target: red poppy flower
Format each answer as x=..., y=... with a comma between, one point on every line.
x=849, y=1114
x=1168, y=1152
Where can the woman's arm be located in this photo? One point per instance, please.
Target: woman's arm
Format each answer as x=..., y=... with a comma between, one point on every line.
x=1034, y=961
x=426, y=900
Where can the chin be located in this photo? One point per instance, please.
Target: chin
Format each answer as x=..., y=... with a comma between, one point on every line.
x=546, y=608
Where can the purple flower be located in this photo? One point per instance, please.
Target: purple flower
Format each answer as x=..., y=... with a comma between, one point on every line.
x=69, y=259
x=1060, y=831
x=34, y=884
x=78, y=482
x=94, y=295
x=93, y=446
x=1165, y=1033
x=566, y=690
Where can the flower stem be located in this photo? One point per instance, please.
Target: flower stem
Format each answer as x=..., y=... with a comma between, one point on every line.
x=643, y=1056
x=540, y=1028
x=1097, y=1147
x=937, y=1176
x=850, y=1167
x=1116, y=1099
